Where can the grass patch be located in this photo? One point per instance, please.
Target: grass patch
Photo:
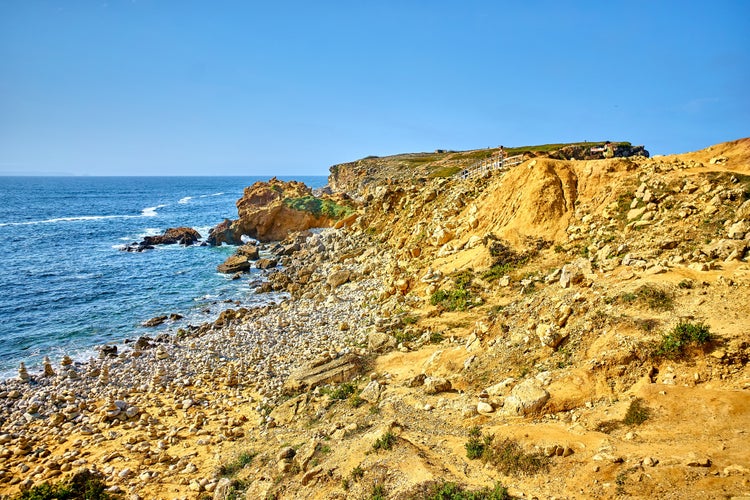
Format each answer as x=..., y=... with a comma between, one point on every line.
x=231, y=468
x=384, y=442
x=508, y=456
x=436, y=337
x=505, y=259
x=452, y=491
x=405, y=336
x=459, y=298
x=445, y=172
x=339, y=392
x=637, y=413
x=355, y=401
x=655, y=298
x=684, y=334
x=319, y=207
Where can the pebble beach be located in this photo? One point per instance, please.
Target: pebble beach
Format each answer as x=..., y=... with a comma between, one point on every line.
x=138, y=416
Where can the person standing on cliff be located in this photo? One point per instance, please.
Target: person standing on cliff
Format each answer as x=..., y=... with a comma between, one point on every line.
x=609, y=150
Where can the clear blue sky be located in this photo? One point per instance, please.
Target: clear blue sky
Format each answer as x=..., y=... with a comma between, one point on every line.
x=179, y=87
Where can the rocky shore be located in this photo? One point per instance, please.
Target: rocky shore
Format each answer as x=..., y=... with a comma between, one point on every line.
x=566, y=329
x=137, y=416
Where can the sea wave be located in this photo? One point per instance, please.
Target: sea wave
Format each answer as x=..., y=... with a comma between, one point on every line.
x=212, y=194
x=185, y=200
x=146, y=212
x=151, y=211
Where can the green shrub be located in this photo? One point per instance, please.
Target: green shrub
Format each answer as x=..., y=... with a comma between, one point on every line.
x=655, y=298
x=357, y=473
x=457, y=299
x=384, y=442
x=84, y=485
x=319, y=207
x=378, y=492
x=340, y=392
x=355, y=401
x=510, y=458
x=452, y=491
x=436, y=337
x=237, y=464
x=637, y=413
x=477, y=444
x=685, y=333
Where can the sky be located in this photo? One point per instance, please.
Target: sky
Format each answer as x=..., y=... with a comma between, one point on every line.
x=181, y=87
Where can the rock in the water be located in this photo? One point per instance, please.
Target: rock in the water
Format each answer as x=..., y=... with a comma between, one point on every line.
x=182, y=235
x=234, y=264
x=158, y=320
x=223, y=233
x=250, y=251
x=266, y=263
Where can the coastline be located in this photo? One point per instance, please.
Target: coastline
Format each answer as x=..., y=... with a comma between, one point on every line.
x=209, y=385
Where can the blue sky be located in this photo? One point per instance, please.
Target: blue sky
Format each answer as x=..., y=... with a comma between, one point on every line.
x=146, y=87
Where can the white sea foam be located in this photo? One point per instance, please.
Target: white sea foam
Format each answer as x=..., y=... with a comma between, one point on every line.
x=212, y=194
x=185, y=200
x=146, y=212
x=151, y=211
x=69, y=219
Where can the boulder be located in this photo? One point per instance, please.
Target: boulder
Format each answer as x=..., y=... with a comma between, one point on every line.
x=223, y=232
x=266, y=263
x=484, y=407
x=738, y=230
x=525, y=398
x=371, y=392
x=380, y=342
x=249, y=250
x=234, y=264
x=435, y=385
x=339, y=370
x=575, y=272
x=549, y=335
x=338, y=278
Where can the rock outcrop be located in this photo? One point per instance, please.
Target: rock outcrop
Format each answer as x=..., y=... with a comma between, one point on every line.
x=270, y=211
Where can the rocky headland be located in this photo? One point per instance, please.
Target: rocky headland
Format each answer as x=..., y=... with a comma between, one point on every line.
x=568, y=328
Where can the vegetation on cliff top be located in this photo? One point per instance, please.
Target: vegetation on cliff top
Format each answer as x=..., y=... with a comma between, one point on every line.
x=319, y=207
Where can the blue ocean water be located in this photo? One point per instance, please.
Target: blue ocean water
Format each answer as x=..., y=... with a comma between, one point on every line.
x=66, y=288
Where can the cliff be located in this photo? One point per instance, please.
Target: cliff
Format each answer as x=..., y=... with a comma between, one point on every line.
x=567, y=328
x=357, y=177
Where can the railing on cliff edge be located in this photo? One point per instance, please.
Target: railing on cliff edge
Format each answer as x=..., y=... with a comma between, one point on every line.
x=489, y=164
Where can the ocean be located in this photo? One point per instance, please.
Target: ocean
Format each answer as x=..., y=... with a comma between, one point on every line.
x=65, y=286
